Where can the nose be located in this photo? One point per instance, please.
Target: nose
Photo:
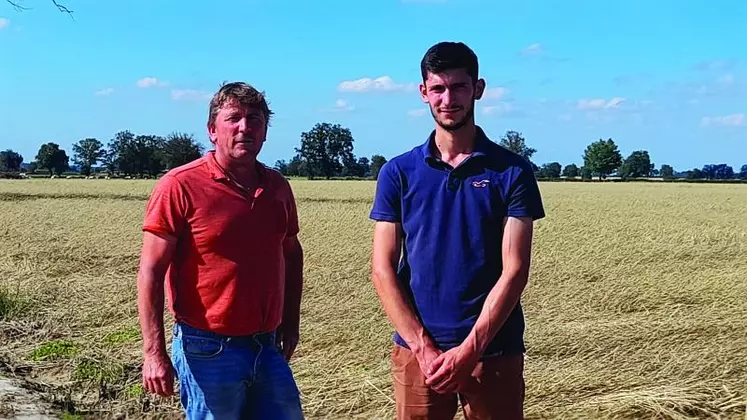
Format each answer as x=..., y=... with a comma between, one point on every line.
x=446, y=98
x=243, y=125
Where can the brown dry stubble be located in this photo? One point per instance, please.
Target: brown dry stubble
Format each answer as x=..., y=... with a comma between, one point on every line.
x=636, y=304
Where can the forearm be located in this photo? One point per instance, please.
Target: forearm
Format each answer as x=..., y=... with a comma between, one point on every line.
x=150, y=310
x=399, y=310
x=497, y=307
x=293, y=287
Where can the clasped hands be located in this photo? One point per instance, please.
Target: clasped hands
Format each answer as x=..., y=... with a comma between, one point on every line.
x=449, y=371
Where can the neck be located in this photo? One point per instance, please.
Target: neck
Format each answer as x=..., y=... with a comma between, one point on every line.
x=244, y=172
x=452, y=144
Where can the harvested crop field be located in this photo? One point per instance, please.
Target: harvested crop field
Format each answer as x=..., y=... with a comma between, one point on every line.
x=637, y=304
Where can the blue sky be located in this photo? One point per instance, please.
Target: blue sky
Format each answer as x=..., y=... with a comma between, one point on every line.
x=667, y=76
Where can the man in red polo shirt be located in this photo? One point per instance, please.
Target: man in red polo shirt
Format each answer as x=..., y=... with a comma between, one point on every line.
x=221, y=234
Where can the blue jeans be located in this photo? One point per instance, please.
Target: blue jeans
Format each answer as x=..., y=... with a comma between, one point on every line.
x=224, y=377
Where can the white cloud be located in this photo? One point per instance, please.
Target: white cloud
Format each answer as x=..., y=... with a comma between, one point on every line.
x=727, y=79
x=733, y=120
x=190, y=95
x=499, y=109
x=419, y=112
x=4, y=23
x=147, y=82
x=711, y=65
x=495, y=93
x=343, y=105
x=383, y=83
x=534, y=49
x=104, y=92
x=600, y=103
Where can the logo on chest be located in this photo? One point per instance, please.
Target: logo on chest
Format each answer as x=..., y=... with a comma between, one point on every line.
x=481, y=184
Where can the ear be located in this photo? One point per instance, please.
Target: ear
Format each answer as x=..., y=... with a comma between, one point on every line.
x=479, y=88
x=423, y=92
x=211, y=132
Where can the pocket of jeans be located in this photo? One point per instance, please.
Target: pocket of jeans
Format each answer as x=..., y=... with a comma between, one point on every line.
x=202, y=347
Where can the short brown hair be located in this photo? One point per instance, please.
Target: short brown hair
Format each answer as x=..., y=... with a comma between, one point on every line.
x=241, y=92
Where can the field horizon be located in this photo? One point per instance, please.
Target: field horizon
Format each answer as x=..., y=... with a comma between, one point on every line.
x=636, y=305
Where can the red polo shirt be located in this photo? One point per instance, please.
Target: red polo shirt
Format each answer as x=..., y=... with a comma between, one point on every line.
x=228, y=271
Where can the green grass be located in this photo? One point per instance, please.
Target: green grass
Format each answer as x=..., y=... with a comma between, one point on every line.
x=636, y=307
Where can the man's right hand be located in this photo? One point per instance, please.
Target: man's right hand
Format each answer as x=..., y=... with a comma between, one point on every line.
x=425, y=357
x=158, y=375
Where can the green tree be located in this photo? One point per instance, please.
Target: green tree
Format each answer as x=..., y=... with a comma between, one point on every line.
x=695, y=174
x=666, y=172
x=136, y=155
x=377, y=161
x=324, y=148
x=742, y=172
x=602, y=157
x=571, y=171
x=52, y=158
x=637, y=165
x=550, y=170
x=180, y=149
x=10, y=161
x=86, y=153
x=585, y=172
x=282, y=167
x=515, y=142
x=364, y=167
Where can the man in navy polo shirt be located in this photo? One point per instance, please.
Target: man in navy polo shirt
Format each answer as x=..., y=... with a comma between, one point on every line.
x=451, y=255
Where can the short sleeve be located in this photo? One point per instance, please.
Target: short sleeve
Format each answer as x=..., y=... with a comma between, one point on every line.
x=292, y=211
x=387, y=199
x=165, y=211
x=525, y=199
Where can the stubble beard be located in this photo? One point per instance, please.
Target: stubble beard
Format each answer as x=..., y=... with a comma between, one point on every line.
x=458, y=124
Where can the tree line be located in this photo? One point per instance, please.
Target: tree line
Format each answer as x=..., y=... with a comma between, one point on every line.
x=126, y=154
x=327, y=151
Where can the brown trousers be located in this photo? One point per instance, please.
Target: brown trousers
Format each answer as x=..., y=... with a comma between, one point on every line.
x=496, y=393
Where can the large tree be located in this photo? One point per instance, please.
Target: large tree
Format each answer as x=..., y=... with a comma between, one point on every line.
x=719, y=171
x=136, y=155
x=377, y=161
x=86, y=153
x=550, y=170
x=180, y=149
x=52, y=158
x=324, y=148
x=666, y=171
x=571, y=171
x=637, y=165
x=515, y=142
x=10, y=161
x=743, y=172
x=602, y=157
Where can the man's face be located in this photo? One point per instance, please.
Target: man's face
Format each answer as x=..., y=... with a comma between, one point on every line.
x=451, y=97
x=238, y=132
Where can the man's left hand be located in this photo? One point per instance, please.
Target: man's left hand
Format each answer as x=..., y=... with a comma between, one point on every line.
x=286, y=339
x=452, y=370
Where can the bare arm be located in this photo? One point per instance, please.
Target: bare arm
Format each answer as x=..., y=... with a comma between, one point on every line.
x=154, y=261
x=386, y=255
x=293, y=281
x=517, y=250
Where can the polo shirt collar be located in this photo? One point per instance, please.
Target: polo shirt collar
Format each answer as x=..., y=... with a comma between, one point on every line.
x=481, y=145
x=218, y=174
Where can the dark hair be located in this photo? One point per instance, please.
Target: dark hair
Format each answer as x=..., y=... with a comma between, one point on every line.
x=447, y=56
x=242, y=93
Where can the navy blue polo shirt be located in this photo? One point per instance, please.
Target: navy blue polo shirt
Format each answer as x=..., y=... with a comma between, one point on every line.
x=452, y=220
